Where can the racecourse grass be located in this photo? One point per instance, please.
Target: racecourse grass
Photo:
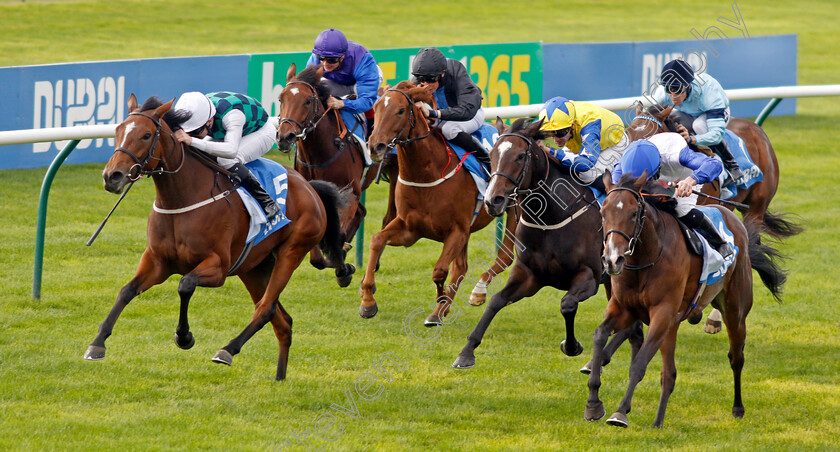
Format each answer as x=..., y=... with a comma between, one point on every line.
x=524, y=394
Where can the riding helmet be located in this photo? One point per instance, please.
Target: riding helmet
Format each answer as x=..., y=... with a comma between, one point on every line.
x=557, y=114
x=676, y=73
x=429, y=62
x=330, y=43
x=640, y=156
x=199, y=105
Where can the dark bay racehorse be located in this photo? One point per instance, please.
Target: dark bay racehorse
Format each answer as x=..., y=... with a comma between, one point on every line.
x=559, y=231
x=325, y=148
x=435, y=198
x=199, y=225
x=655, y=279
x=658, y=119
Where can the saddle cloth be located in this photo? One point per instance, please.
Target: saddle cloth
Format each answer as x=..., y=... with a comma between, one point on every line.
x=275, y=179
x=487, y=136
x=752, y=173
x=714, y=265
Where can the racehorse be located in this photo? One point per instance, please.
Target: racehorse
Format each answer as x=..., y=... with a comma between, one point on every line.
x=559, y=231
x=198, y=228
x=325, y=150
x=658, y=119
x=435, y=198
x=656, y=280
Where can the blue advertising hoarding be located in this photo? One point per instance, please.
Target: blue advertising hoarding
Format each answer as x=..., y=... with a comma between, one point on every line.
x=64, y=95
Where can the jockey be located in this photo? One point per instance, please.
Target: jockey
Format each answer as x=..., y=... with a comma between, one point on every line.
x=351, y=74
x=702, y=97
x=236, y=129
x=457, y=99
x=594, y=136
x=666, y=157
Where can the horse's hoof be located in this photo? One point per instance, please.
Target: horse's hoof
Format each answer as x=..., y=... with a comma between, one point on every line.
x=595, y=412
x=223, y=357
x=433, y=320
x=368, y=312
x=186, y=342
x=347, y=246
x=618, y=420
x=696, y=318
x=478, y=299
x=464, y=362
x=738, y=412
x=577, y=350
x=712, y=326
x=347, y=278
x=95, y=353
x=587, y=368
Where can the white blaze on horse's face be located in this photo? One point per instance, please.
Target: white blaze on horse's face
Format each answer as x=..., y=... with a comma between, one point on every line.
x=504, y=146
x=128, y=130
x=386, y=100
x=294, y=91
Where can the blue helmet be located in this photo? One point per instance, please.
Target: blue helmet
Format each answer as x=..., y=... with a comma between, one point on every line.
x=676, y=74
x=330, y=43
x=640, y=156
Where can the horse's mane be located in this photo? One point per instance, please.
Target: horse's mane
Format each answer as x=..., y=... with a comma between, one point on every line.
x=172, y=118
x=518, y=125
x=665, y=204
x=310, y=75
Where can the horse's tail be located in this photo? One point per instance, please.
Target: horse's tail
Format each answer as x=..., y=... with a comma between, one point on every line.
x=779, y=226
x=765, y=260
x=332, y=245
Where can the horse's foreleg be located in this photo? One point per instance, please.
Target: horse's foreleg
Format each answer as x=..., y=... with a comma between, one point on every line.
x=584, y=285
x=268, y=308
x=395, y=234
x=454, y=247
x=504, y=257
x=208, y=273
x=661, y=322
x=150, y=272
x=521, y=284
x=668, y=376
x=613, y=317
x=634, y=334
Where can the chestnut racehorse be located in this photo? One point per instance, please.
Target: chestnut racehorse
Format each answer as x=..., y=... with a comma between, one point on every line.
x=559, y=230
x=325, y=148
x=656, y=279
x=199, y=225
x=435, y=198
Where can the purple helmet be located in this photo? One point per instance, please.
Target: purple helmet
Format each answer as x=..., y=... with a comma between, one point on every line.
x=330, y=43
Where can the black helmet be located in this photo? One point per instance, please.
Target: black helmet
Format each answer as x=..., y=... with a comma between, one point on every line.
x=429, y=62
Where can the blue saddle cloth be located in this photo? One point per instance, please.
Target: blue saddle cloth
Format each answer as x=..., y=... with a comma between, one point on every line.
x=487, y=136
x=714, y=265
x=275, y=179
x=752, y=173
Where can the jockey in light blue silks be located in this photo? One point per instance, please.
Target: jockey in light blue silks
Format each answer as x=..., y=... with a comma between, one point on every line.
x=666, y=157
x=702, y=97
x=349, y=69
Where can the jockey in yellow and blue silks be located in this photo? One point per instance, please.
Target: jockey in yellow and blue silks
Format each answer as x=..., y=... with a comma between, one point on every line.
x=594, y=136
x=702, y=97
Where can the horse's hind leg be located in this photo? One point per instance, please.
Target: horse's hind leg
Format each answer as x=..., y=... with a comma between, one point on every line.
x=584, y=285
x=454, y=252
x=150, y=272
x=735, y=315
x=520, y=284
x=207, y=274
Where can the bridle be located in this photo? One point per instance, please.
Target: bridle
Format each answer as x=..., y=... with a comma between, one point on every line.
x=140, y=164
x=517, y=183
x=309, y=122
x=412, y=122
x=637, y=231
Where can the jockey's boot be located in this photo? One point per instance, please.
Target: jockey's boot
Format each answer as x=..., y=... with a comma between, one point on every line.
x=729, y=162
x=695, y=219
x=250, y=183
x=472, y=146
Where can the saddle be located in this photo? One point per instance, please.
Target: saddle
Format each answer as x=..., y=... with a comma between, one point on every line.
x=695, y=245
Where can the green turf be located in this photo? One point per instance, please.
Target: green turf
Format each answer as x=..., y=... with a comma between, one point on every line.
x=523, y=394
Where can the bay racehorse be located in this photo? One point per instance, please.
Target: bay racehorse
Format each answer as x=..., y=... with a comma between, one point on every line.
x=558, y=235
x=199, y=224
x=325, y=148
x=436, y=198
x=656, y=279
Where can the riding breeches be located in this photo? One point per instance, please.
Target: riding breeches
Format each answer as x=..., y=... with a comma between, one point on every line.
x=254, y=145
x=450, y=129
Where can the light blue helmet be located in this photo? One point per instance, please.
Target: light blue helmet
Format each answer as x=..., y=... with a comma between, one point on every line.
x=639, y=157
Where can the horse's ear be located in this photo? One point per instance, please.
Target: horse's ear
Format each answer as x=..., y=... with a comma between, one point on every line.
x=320, y=71
x=500, y=125
x=607, y=179
x=160, y=111
x=534, y=127
x=639, y=109
x=665, y=113
x=290, y=74
x=132, y=103
x=640, y=181
x=382, y=89
x=420, y=94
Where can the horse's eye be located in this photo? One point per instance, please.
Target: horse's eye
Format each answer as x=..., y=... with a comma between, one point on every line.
x=520, y=157
x=634, y=214
x=147, y=136
x=402, y=110
x=308, y=101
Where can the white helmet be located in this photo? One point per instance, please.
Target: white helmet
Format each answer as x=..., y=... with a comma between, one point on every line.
x=199, y=105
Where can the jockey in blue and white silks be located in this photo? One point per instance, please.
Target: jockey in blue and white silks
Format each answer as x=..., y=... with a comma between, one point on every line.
x=349, y=69
x=702, y=97
x=666, y=157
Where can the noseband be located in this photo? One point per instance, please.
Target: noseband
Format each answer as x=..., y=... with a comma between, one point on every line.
x=412, y=121
x=640, y=224
x=150, y=153
x=309, y=122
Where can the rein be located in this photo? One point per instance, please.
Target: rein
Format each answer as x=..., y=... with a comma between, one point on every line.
x=310, y=115
x=412, y=122
x=637, y=231
x=140, y=164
